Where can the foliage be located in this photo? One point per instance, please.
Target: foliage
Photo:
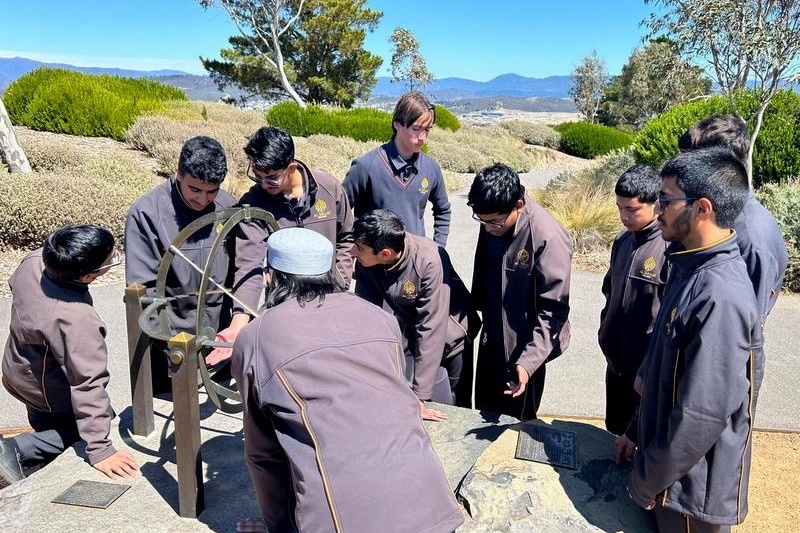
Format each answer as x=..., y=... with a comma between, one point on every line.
x=64, y=101
x=362, y=124
x=748, y=43
x=408, y=65
x=583, y=200
x=783, y=201
x=588, y=80
x=311, y=50
x=777, y=149
x=653, y=80
x=532, y=133
x=583, y=139
x=446, y=119
x=34, y=204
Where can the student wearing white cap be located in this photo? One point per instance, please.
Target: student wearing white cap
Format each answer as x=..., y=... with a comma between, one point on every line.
x=333, y=435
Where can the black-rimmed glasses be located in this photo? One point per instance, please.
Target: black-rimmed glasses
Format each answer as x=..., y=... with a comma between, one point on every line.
x=116, y=260
x=271, y=179
x=665, y=200
x=499, y=222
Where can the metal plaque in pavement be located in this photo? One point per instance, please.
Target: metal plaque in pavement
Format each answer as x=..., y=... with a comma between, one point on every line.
x=543, y=444
x=91, y=494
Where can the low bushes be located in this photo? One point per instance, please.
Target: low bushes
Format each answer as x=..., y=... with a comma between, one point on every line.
x=777, y=151
x=783, y=200
x=64, y=101
x=362, y=123
x=583, y=139
x=88, y=189
x=532, y=133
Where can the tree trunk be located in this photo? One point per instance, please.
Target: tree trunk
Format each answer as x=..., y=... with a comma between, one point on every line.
x=10, y=150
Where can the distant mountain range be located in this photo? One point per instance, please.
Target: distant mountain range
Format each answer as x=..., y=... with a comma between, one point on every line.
x=512, y=91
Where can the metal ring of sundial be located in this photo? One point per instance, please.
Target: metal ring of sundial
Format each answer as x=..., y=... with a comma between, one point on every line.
x=227, y=400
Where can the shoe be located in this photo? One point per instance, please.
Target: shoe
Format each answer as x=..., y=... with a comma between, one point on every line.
x=10, y=469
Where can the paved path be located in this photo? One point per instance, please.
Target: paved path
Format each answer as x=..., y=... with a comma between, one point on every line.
x=574, y=381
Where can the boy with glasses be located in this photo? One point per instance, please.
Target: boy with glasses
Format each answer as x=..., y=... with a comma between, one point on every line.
x=632, y=288
x=397, y=176
x=156, y=218
x=297, y=196
x=521, y=285
x=55, y=359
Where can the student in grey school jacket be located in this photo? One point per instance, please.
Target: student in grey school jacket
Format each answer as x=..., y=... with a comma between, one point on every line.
x=521, y=284
x=694, y=425
x=55, y=359
x=333, y=435
x=415, y=278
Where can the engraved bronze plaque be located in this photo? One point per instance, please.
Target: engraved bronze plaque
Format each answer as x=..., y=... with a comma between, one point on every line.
x=543, y=444
x=91, y=494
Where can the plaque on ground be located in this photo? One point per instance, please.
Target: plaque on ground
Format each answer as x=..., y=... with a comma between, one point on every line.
x=543, y=444
x=91, y=494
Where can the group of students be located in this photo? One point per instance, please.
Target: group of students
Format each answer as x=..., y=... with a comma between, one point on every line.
x=690, y=283
x=319, y=366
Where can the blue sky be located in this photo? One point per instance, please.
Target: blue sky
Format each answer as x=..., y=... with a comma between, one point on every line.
x=463, y=38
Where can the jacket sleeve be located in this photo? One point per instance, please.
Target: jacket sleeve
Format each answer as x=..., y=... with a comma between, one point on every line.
x=552, y=269
x=479, y=272
x=606, y=291
x=356, y=182
x=430, y=329
x=250, y=251
x=441, y=210
x=266, y=460
x=83, y=356
x=710, y=390
x=142, y=249
x=344, y=239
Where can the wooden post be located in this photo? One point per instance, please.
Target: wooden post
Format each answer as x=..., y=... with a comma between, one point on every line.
x=186, y=405
x=139, y=359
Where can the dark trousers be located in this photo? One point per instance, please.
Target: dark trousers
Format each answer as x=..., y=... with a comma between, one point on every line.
x=670, y=521
x=53, y=433
x=621, y=401
x=159, y=365
x=491, y=381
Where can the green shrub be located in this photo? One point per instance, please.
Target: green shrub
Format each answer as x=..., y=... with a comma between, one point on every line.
x=533, y=133
x=584, y=139
x=445, y=118
x=783, y=200
x=361, y=124
x=777, y=151
x=63, y=101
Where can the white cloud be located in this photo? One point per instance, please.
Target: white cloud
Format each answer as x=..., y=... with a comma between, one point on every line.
x=192, y=66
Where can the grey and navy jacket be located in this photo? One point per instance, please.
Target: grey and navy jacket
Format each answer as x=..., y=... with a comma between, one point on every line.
x=323, y=208
x=632, y=287
x=333, y=435
x=761, y=244
x=429, y=300
x=535, y=285
x=379, y=180
x=55, y=359
x=695, y=420
x=153, y=222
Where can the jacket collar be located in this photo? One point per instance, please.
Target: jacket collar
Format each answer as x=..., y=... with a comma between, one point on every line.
x=689, y=260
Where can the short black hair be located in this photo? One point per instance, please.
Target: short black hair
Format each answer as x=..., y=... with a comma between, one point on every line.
x=304, y=289
x=270, y=148
x=495, y=189
x=380, y=229
x=716, y=174
x=74, y=251
x=718, y=130
x=641, y=182
x=203, y=158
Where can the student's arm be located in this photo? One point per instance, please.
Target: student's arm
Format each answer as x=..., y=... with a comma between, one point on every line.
x=344, y=239
x=440, y=205
x=430, y=327
x=143, y=249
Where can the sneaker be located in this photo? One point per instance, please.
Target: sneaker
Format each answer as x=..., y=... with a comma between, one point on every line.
x=10, y=469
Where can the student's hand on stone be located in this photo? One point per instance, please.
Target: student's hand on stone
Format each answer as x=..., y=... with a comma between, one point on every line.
x=623, y=449
x=118, y=466
x=251, y=525
x=638, y=385
x=516, y=389
x=430, y=414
